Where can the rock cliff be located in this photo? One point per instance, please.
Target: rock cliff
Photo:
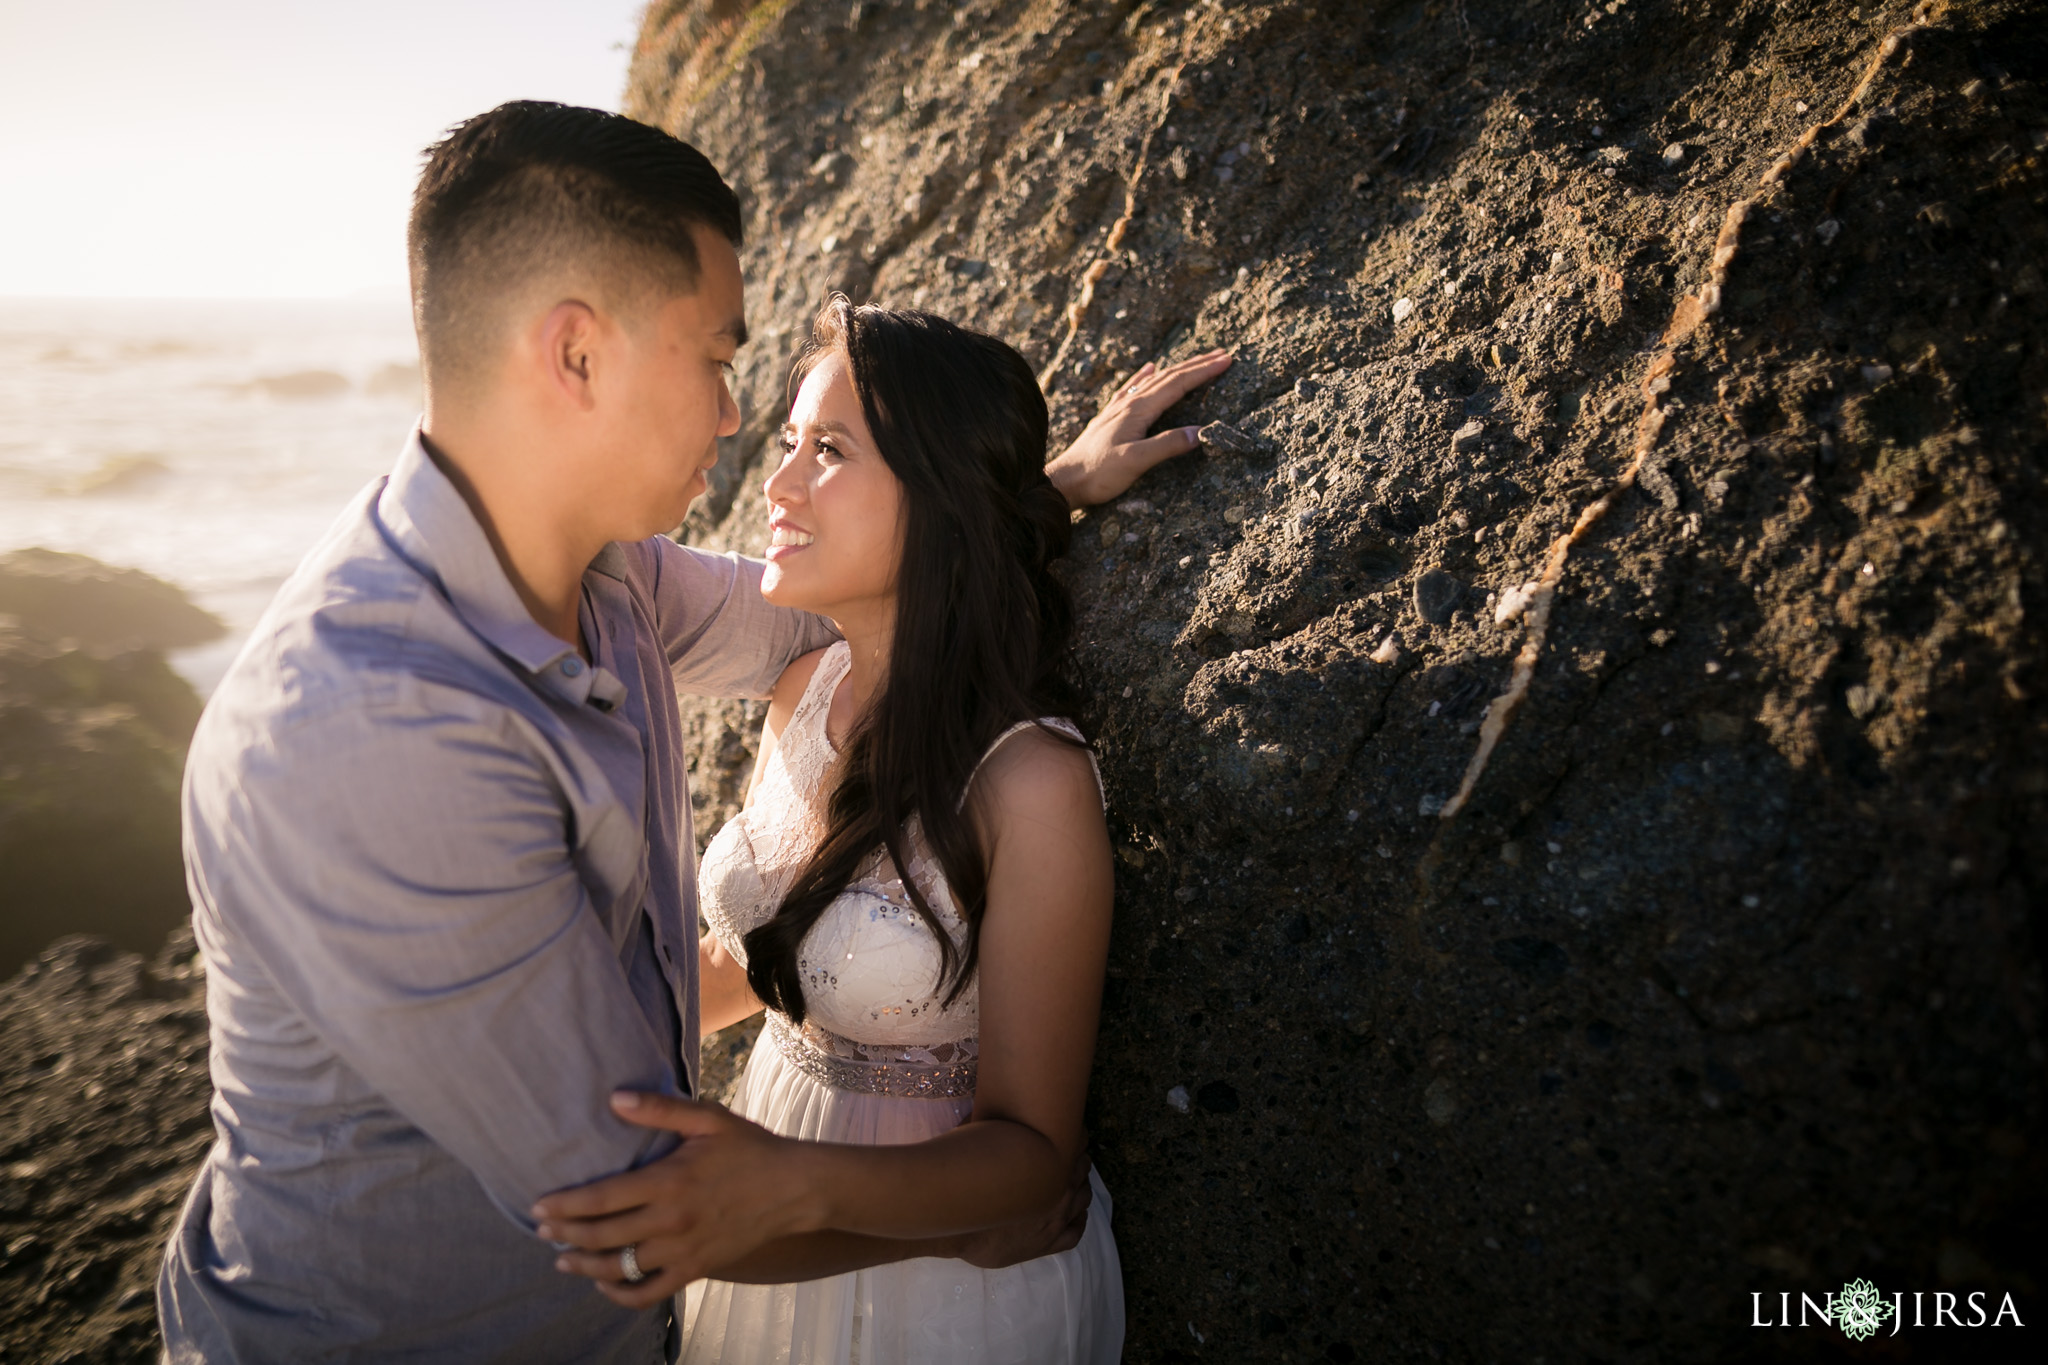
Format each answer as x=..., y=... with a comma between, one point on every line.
x=1576, y=744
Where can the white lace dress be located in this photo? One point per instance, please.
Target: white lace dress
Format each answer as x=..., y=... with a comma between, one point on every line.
x=880, y=1059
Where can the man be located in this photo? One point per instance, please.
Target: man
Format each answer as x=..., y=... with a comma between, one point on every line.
x=437, y=821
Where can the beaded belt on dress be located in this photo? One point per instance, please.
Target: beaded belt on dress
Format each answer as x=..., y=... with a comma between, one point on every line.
x=807, y=1048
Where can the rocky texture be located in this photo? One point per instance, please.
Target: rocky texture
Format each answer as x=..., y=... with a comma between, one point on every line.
x=1670, y=372
x=102, y=1117
x=93, y=728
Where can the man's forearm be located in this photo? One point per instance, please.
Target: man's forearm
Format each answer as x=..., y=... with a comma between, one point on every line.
x=815, y=1255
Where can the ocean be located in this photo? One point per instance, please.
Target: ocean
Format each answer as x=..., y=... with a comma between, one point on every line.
x=208, y=443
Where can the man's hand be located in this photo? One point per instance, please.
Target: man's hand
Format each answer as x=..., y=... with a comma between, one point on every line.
x=731, y=1187
x=1057, y=1229
x=1113, y=451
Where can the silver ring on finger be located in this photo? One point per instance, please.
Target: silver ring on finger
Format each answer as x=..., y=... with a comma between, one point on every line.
x=629, y=1264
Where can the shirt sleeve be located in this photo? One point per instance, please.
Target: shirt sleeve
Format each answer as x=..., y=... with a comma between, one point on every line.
x=418, y=904
x=722, y=637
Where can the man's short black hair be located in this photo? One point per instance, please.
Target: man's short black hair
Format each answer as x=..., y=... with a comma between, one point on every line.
x=533, y=188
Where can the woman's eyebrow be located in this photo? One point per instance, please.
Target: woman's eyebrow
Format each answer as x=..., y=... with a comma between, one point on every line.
x=839, y=429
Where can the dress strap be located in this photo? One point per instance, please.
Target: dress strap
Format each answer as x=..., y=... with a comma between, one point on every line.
x=816, y=702
x=1059, y=723
x=805, y=746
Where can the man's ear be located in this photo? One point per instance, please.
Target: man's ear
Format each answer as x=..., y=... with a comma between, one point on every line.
x=568, y=349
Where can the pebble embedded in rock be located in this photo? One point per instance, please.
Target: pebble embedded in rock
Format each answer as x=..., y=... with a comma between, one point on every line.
x=1177, y=1099
x=1403, y=309
x=1436, y=596
x=1221, y=438
x=1940, y=214
x=1466, y=437
x=1674, y=155
x=1389, y=650
x=1440, y=1101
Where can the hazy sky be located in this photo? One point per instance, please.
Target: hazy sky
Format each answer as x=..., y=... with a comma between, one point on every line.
x=256, y=148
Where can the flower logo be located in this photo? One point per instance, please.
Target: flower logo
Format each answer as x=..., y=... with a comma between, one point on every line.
x=1860, y=1310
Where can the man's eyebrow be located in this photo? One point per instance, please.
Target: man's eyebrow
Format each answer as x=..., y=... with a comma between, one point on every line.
x=736, y=330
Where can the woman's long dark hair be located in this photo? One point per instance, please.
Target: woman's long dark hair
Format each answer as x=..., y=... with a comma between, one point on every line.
x=983, y=629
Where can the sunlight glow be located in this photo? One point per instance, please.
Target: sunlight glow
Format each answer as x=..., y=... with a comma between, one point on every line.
x=257, y=148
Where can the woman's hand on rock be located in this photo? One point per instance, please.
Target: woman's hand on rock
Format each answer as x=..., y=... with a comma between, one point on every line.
x=1113, y=451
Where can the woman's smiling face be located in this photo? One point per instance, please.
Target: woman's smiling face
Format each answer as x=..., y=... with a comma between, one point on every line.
x=835, y=509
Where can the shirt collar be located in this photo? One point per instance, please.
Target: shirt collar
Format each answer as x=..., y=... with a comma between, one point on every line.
x=428, y=522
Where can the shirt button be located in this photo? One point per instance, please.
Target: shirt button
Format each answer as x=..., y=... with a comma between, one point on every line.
x=571, y=666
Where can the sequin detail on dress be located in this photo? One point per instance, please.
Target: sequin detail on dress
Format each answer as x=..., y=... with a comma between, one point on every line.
x=847, y=1065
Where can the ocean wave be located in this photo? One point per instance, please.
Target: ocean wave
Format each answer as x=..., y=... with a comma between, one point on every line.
x=300, y=385
x=394, y=381
x=115, y=474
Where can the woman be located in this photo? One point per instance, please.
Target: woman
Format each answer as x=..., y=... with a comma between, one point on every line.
x=919, y=886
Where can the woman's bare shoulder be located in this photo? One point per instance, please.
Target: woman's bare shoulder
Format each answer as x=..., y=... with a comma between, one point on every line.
x=1039, y=776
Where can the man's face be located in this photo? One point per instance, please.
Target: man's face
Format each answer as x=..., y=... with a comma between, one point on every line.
x=672, y=398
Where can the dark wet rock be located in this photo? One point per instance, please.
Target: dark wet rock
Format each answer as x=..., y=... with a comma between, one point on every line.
x=92, y=745
x=59, y=596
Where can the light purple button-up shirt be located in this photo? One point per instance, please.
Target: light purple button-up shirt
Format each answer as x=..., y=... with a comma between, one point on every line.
x=443, y=879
